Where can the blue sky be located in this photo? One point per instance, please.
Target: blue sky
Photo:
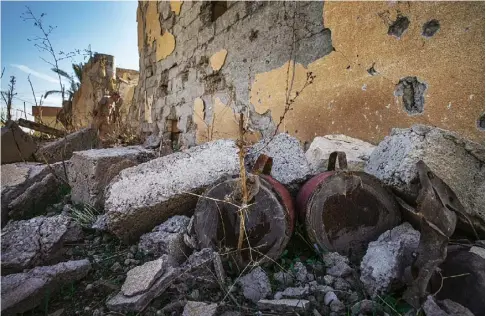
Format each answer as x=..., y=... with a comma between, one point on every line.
x=110, y=27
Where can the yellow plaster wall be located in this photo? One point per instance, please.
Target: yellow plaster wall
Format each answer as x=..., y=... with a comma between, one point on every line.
x=165, y=45
x=176, y=6
x=218, y=59
x=49, y=121
x=152, y=24
x=344, y=98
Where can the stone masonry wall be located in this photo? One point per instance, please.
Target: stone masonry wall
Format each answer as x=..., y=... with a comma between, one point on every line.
x=258, y=37
x=378, y=65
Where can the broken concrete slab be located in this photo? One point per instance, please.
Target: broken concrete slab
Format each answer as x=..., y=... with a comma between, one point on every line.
x=293, y=292
x=63, y=148
x=357, y=152
x=457, y=161
x=27, y=189
x=123, y=304
x=290, y=167
x=24, y=291
x=199, y=309
x=198, y=261
x=284, y=305
x=17, y=145
x=167, y=238
x=386, y=259
x=433, y=307
x=92, y=170
x=38, y=241
x=164, y=187
x=141, y=278
x=256, y=285
x=470, y=266
x=36, y=198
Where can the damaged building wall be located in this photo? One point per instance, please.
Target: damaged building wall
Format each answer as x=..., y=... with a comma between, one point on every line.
x=128, y=80
x=96, y=81
x=382, y=64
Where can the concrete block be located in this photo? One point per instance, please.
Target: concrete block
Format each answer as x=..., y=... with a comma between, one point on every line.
x=63, y=148
x=92, y=170
x=456, y=160
x=162, y=187
x=17, y=146
x=357, y=152
x=22, y=292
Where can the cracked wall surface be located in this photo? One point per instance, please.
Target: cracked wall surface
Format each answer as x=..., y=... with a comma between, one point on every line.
x=232, y=58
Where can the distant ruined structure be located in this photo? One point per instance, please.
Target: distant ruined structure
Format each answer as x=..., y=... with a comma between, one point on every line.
x=97, y=76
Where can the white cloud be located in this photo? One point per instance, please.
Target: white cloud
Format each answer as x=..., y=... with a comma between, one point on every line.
x=53, y=100
x=35, y=73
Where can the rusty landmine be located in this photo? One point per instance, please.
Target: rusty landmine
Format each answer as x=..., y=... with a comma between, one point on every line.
x=347, y=210
x=268, y=222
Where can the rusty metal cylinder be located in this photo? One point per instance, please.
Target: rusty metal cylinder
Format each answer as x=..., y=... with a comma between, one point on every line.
x=345, y=210
x=269, y=220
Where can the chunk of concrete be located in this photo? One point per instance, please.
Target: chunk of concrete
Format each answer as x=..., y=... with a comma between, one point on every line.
x=301, y=274
x=457, y=161
x=386, y=259
x=284, y=278
x=201, y=260
x=255, y=285
x=167, y=238
x=136, y=303
x=433, y=307
x=17, y=145
x=284, y=305
x=329, y=297
x=152, y=142
x=141, y=278
x=38, y=241
x=357, y=152
x=146, y=195
x=92, y=170
x=36, y=198
x=290, y=167
x=28, y=188
x=336, y=265
x=63, y=148
x=293, y=292
x=199, y=309
x=24, y=291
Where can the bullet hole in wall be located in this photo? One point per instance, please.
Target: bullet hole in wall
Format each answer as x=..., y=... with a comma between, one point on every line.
x=412, y=92
x=372, y=71
x=430, y=28
x=253, y=35
x=398, y=27
x=480, y=122
x=218, y=8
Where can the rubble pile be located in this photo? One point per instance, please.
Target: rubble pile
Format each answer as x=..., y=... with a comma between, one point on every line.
x=122, y=238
